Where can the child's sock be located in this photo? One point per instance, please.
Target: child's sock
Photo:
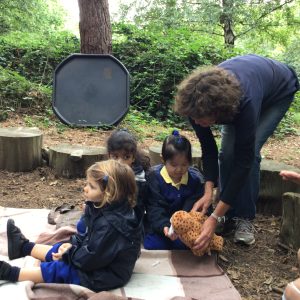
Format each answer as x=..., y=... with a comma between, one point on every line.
x=8, y=272
x=27, y=248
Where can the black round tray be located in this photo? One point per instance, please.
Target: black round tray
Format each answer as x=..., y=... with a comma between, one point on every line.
x=90, y=90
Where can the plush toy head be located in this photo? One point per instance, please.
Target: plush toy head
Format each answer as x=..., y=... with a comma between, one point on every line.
x=188, y=226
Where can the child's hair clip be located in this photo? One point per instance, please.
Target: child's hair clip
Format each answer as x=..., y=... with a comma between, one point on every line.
x=178, y=138
x=105, y=180
x=175, y=133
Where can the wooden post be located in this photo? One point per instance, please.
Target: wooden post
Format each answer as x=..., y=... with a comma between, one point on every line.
x=20, y=148
x=72, y=161
x=272, y=187
x=290, y=227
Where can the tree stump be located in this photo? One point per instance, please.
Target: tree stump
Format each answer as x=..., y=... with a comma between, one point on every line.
x=272, y=187
x=155, y=156
x=290, y=227
x=20, y=148
x=72, y=161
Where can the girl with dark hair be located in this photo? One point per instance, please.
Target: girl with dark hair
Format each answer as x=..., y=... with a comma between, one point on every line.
x=122, y=146
x=172, y=186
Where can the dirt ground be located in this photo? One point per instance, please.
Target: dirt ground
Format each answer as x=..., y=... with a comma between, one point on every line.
x=260, y=271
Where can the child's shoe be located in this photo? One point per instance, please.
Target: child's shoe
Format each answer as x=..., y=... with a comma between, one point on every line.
x=15, y=240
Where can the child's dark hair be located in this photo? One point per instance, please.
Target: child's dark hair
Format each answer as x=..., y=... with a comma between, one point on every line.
x=123, y=140
x=175, y=144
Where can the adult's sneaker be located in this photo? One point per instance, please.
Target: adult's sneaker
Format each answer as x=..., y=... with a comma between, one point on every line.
x=244, y=232
x=15, y=240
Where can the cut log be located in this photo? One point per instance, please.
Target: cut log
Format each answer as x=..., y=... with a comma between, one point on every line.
x=290, y=227
x=272, y=187
x=20, y=148
x=72, y=161
x=155, y=156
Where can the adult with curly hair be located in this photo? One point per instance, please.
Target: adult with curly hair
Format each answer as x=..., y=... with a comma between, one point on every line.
x=248, y=95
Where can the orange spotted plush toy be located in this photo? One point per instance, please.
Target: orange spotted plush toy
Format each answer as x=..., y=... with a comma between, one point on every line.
x=188, y=226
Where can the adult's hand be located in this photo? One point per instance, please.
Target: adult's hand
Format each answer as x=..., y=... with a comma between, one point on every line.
x=208, y=230
x=205, y=201
x=203, y=204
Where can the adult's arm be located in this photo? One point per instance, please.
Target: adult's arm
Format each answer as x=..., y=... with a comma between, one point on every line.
x=196, y=185
x=210, y=165
x=209, y=152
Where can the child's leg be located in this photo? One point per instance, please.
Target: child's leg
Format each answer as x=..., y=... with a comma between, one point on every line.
x=49, y=272
x=19, y=245
x=40, y=251
x=59, y=272
x=33, y=274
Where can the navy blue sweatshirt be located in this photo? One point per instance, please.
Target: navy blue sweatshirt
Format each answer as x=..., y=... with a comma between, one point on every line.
x=164, y=199
x=263, y=82
x=105, y=255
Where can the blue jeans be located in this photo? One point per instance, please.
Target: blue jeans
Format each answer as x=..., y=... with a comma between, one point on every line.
x=247, y=197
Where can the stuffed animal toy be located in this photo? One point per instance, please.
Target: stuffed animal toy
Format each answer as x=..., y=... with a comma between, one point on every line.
x=188, y=226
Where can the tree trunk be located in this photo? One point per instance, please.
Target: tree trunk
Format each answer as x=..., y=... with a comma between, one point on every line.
x=272, y=187
x=227, y=23
x=95, y=27
x=72, y=161
x=20, y=149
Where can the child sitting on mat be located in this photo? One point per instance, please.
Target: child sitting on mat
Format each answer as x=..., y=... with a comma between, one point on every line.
x=101, y=259
x=173, y=186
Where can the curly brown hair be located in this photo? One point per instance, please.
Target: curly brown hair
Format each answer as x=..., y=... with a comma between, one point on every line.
x=212, y=92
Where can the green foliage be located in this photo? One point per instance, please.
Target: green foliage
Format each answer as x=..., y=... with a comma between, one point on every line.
x=292, y=55
x=274, y=20
x=30, y=16
x=290, y=122
x=34, y=56
x=170, y=40
x=144, y=126
x=18, y=92
x=158, y=61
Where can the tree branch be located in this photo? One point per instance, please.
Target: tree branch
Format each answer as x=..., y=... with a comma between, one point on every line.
x=256, y=22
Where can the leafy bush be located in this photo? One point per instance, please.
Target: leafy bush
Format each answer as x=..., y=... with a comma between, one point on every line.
x=18, y=92
x=288, y=125
x=34, y=56
x=158, y=61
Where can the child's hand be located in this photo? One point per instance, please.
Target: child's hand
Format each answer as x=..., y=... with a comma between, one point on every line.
x=82, y=206
x=61, y=250
x=290, y=175
x=171, y=235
